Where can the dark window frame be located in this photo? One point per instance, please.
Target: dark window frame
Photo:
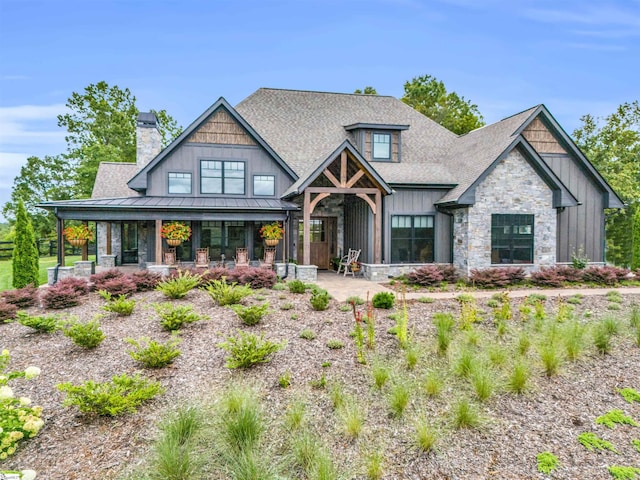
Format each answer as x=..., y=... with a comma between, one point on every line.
x=413, y=257
x=373, y=145
x=512, y=234
x=190, y=192
x=253, y=184
x=222, y=176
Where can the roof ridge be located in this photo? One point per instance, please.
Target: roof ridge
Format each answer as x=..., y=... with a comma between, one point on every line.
x=322, y=92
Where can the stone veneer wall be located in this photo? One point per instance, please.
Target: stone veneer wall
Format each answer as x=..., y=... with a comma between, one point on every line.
x=513, y=187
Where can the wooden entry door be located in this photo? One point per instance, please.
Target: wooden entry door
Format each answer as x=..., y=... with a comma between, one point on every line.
x=323, y=234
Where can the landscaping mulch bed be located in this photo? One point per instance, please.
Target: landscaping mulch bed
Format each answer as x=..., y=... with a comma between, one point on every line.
x=517, y=428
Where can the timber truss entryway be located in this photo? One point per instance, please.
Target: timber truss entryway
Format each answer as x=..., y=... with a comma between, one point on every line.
x=344, y=172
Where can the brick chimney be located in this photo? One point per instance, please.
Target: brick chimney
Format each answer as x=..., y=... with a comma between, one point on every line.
x=148, y=139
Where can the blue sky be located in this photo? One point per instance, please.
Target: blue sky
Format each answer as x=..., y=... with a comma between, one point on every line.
x=575, y=56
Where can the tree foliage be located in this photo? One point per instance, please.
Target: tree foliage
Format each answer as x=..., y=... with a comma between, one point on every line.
x=429, y=96
x=612, y=144
x=25, y=251
x=367, y=91
x=40, y=180
x=101, y=127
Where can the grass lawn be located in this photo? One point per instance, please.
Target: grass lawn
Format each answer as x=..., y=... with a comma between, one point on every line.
x=6, y=270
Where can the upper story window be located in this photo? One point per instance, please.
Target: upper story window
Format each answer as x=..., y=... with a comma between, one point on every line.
x=381, y=146
x=511, y=238
x=179, y=182
x=264, y=185
x=217, y=176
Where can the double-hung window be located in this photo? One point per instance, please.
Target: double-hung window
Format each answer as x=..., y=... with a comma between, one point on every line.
x=264, y=185
x=511, y=238
x=412, y=238
x=218, y=176
x=381, y=146
x=179, y=182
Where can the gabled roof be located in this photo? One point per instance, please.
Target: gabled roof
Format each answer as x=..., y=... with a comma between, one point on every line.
x=305, y=128
x=139, y=181
x=111, y=180
x=315, y=170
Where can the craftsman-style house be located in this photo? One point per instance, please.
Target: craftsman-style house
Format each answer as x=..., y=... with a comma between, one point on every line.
x=345, y=171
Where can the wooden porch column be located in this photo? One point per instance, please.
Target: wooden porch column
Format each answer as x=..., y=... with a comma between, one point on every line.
x=60, y=228
x=306, y=236
x=108, y=238
x=158, y=242
x=377, y=232
x=85, y=248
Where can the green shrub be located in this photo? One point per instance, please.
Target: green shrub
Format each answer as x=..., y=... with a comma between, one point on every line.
x=224, y=293
x=426, y=300
x=636, y=443
x=120, y=305
x=380, y=373
x=547, y=462
x=153, y=354
x=87, y=335
x=444, y=323
x=629, y=394
x=592, y=442
x=287, y=306
x=296, y=286
x=483, y=382
x=335, y=344
x=284, y=380
x=425, y=436
x=122, y=394
x=180, y=285
x=616, y=417
x=383, y=300
x=411, y=355
x=573, y=339
x=602, y=338
x=246, y=349
x=624, y=473
x=252, y=314
x=465, y=415
x=173, y=317
x=551, y=357
x=374, y=465
x=279, y=287
x=41, y=324
x=294, y=416
x=320, y=300
x=433, y=384
x=25, y=252
x=519, y=377
x=354, y=300
x=308, y=334
x=399, y=398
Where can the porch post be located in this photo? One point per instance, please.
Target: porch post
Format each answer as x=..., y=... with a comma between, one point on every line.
x=377, y=233
x=60, y=228
x=306, y=237
x=158, y=242
x=85, y=248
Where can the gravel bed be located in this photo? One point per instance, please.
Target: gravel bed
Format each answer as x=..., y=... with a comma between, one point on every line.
x=550, y=417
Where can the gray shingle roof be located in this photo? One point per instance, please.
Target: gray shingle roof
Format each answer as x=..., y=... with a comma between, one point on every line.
x=111, y=180
x=306, y=127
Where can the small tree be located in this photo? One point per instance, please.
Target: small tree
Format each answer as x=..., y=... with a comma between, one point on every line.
x=25, y=252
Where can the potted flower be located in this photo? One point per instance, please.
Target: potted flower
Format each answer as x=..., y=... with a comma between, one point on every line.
x=77, y=235
x=175, y=233
x=355, y=267
x=272, y=233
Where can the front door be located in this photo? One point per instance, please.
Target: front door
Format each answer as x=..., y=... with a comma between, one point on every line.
x=130, y=242
x=322, y=233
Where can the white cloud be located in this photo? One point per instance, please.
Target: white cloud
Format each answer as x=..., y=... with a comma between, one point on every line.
x=595, y=15
x=31, y=126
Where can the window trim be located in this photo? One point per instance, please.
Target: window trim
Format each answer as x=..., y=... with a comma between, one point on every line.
x=253, y=184
x=222, y=178
x=413, y=215
x=511, y=238
x=373, y=143
x=190, y=192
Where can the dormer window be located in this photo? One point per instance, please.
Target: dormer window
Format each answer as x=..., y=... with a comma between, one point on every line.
x=381, y=146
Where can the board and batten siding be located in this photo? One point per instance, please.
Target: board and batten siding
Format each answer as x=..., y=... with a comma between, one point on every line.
x=581, y=226
x=358, y=227
x=186, y=159
x=419, y=202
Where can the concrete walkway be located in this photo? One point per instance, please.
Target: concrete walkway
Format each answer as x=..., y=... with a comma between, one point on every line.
x=341, y=288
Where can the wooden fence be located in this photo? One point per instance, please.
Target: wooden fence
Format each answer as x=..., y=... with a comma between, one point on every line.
x=46, y=248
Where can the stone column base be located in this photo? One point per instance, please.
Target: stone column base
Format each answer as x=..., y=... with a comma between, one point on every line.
x=108, y=261
x=307, y=273
x=84, y=268
x=63, y=272
x=164, y=270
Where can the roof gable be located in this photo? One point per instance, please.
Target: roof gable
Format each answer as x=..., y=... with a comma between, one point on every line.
x=219, y=123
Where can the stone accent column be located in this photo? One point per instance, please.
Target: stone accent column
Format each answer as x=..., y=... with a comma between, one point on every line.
x=307, y=273
x=101, y=240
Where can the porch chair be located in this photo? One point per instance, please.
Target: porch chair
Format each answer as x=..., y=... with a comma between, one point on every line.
x=241, y=258
x=347, y=260
x=170, y=257
x=269, y=258
x=202, y=257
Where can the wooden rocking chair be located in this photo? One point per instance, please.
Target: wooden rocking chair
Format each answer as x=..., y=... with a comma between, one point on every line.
x=202, y=257
x=241, y=258
x=347, y=261
x=170, y=257
x=269, y=258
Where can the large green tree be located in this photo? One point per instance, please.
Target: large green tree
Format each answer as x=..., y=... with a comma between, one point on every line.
x=429, y=96
x=41, y=180
x=101, y=126
x=25, y=251
x=612, y=144
x=367, y=91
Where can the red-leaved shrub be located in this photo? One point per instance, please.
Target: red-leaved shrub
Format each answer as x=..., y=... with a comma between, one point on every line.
x=8, y=311
x=548, y=277
x=215, y=273
x=448, y=272
x=256, y=277
x=570, y=274
x=145, y=280
x=60, y=296
x=119, y=286
x=426, y=276
x=21, y=297
x=605, y=275
x=99, y=278
x=496, y=277
x=78, y=285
